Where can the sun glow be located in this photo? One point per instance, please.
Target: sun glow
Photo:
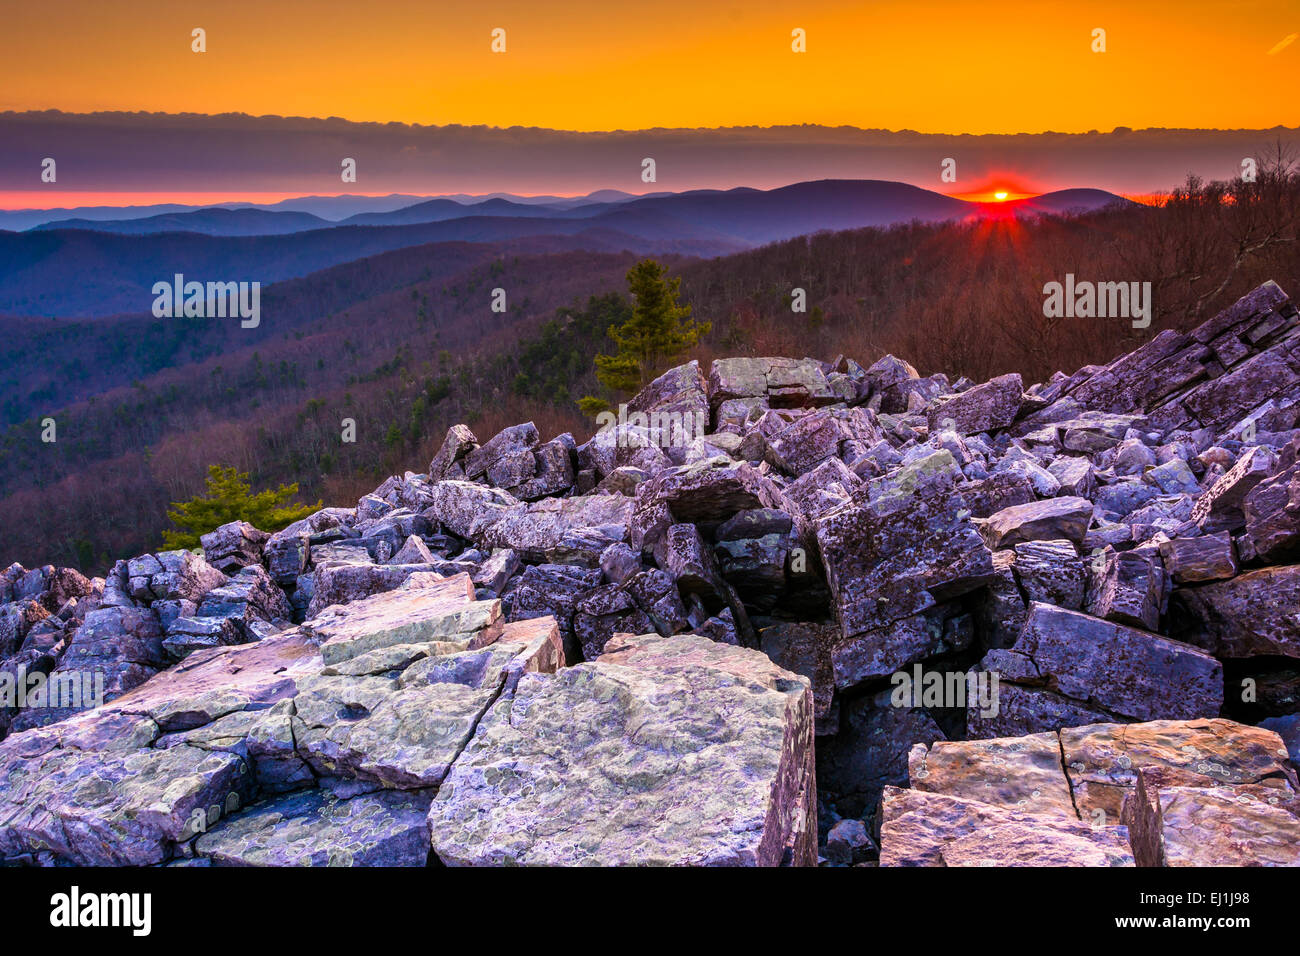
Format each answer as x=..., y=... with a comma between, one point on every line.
x=1001, y=187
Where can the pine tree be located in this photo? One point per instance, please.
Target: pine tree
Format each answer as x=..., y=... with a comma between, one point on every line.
x=659, y=331
x=229, y=499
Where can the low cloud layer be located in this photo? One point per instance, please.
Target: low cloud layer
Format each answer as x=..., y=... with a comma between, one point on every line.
x=160, y=153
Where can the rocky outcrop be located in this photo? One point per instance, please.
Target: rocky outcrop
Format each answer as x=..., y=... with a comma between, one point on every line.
x=780, y=611
x=1249, y=615
x=347, y=741
x=233, y=546
x=891, y=558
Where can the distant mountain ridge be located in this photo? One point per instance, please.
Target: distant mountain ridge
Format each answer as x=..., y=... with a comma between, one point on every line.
x=216, y=221
x=105, y=268
x=332, y=209
x=312, y=212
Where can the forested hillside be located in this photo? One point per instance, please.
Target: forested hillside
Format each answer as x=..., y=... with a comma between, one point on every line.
x=406, y=344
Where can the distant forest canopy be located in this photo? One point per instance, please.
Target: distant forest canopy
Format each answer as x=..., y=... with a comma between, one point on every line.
x=405, y=343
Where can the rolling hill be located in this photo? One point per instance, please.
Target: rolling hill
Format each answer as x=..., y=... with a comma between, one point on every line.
x=72, y=273
x=210, y=222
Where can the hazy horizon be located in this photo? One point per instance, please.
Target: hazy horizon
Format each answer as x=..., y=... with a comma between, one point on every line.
x=123, y=159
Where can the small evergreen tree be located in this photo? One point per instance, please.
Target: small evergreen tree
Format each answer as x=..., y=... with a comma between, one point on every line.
x=229, y=498
x=659, y=331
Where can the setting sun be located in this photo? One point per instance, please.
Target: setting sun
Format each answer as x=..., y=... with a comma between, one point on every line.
x=1000, y=196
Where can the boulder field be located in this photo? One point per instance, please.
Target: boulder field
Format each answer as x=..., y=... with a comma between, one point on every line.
x=779, y=612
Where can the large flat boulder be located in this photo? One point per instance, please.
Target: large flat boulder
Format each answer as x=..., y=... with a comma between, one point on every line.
x=342, y=584
x=401, y=732
x=445, y=609
x=1019, y=773
x=672, y=750
x=220, y=681
x=784, y=382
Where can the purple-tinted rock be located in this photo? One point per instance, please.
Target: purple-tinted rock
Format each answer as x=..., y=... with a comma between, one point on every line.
x=604, y=612
x=982, y=408
x=631, y=781
x=1242, y=825
x=551, y=473
x=468, y=509
x=898, y=555
x=456, y=447
x=786, y=383
x=1119, y=669
x=1129, y=587
x=1251, y=614
x=1272, y=515
x=713, y=490
x=932, y=829
x=1196, y=560
x=233, y=546
x=1075, y=476
x=1052, y=572
x=1219, y=509
x=501, y=449
x=386, y=828
x=804, y=647
x=990, y=495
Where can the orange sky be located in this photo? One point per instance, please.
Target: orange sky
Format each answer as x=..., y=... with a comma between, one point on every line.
x=571, y=64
